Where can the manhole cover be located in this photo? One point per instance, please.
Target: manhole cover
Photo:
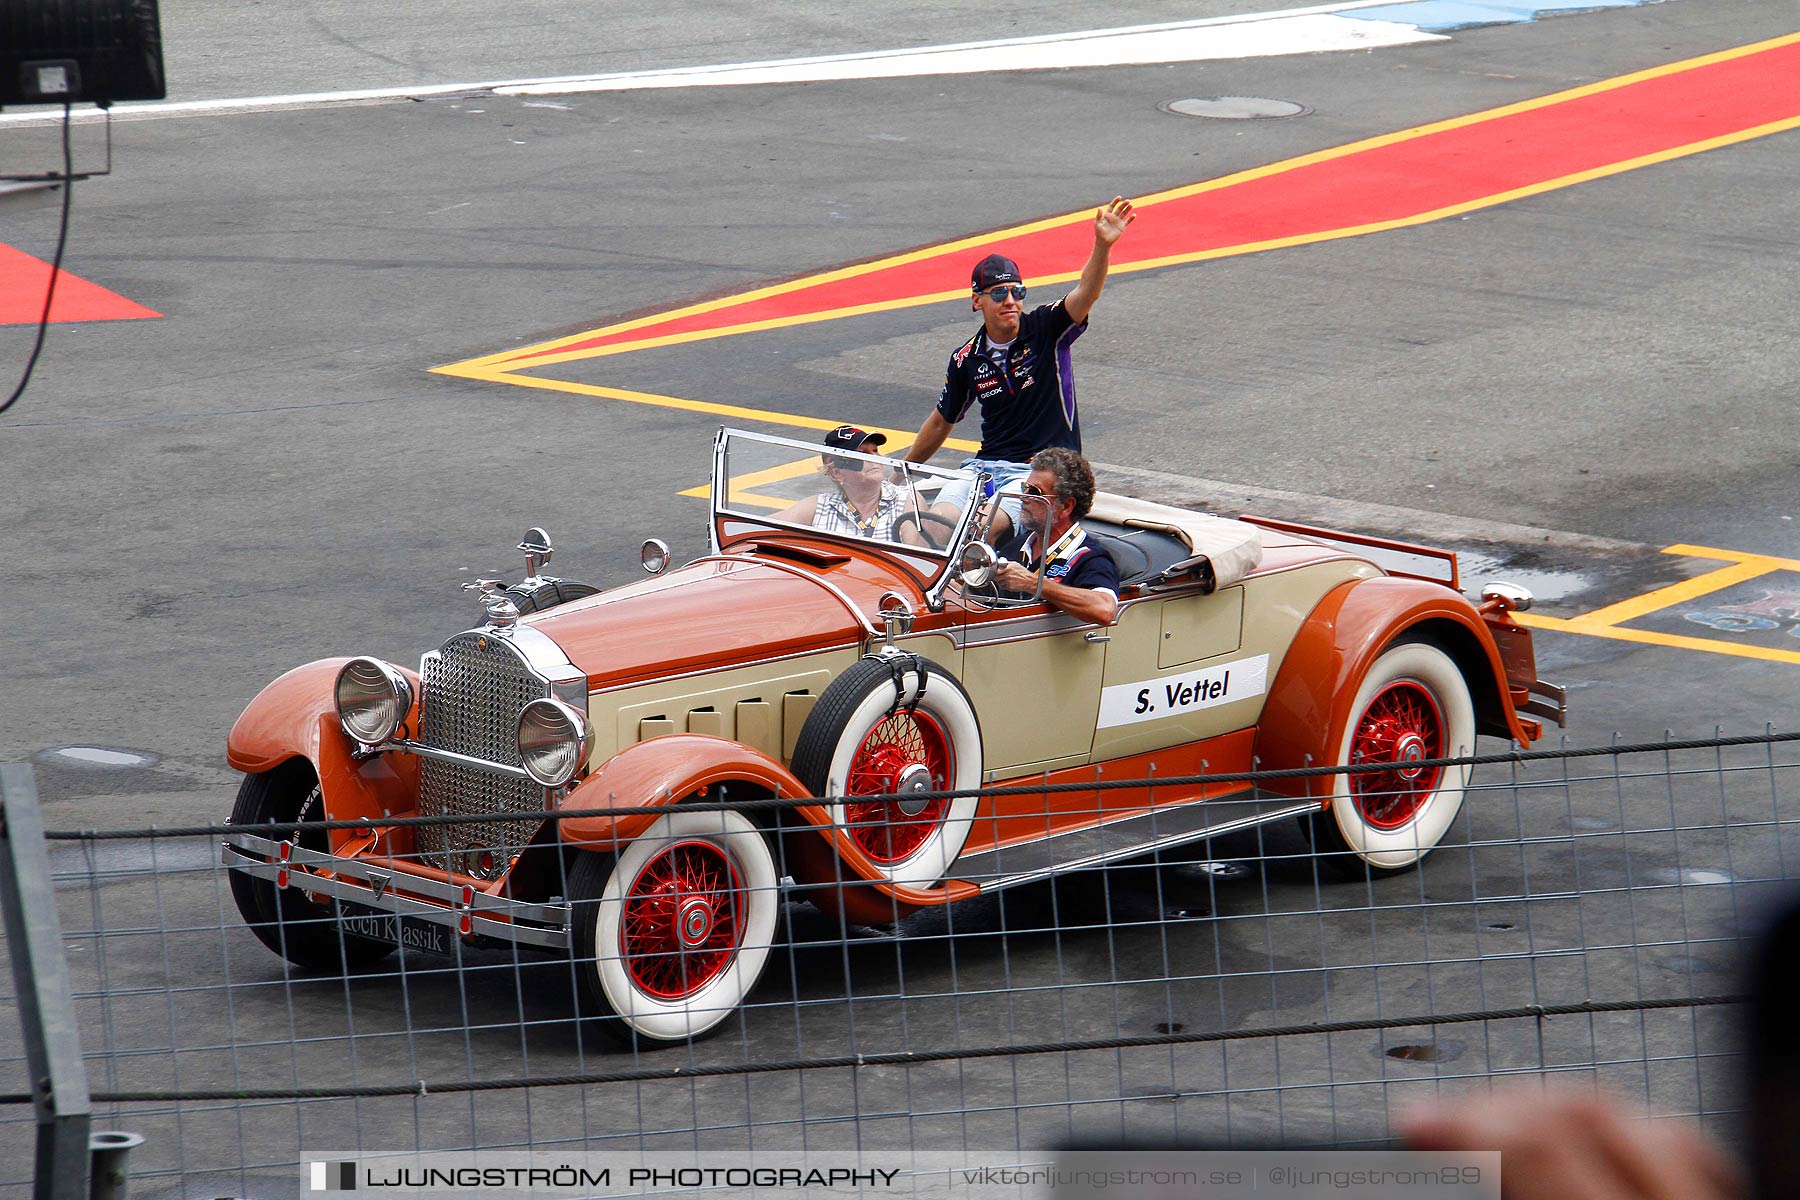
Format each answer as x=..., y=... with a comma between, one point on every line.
x=1234, y=108
x=100, y=757
x=1688, y=875
x=1444, y=1050
x=1683, y=964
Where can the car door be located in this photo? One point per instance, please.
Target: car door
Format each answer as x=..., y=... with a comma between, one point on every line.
x=1176, y=673
x=1034, y=675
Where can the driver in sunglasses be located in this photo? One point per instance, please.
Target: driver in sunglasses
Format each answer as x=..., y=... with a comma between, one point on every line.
x=1079, y=576
x=1017, y=368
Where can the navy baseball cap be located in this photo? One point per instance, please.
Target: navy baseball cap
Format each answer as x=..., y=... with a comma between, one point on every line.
x=849, y=437
x=992, y=270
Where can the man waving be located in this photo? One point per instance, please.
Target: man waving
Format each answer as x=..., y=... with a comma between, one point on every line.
x=1017, y=367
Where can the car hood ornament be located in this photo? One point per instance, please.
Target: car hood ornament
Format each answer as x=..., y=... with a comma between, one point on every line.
x=502, y=610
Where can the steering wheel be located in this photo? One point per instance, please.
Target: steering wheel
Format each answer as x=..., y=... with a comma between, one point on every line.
x=918, y=517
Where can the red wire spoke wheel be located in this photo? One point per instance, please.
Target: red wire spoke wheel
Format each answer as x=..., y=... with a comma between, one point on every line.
x=1402, y=726
x=903, y=748
x=671, y=933
x=683, y=920
x=891, y=726
x=1412, y=706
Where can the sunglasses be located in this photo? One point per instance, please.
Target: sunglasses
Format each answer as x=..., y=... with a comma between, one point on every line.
x=1032, y=489
x=1015, y=290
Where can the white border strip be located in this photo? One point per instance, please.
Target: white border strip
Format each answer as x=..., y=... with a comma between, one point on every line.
x=702, y=75
x=1317, y=33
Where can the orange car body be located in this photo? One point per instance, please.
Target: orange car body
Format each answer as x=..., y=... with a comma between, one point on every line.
x=707, y=684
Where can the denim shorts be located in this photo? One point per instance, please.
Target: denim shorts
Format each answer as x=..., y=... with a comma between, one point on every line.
x=1007, y=476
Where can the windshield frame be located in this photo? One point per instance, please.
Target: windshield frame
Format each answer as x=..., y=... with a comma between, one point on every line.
x=731, y=523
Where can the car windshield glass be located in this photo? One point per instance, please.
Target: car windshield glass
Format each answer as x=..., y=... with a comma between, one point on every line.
x=786, y=481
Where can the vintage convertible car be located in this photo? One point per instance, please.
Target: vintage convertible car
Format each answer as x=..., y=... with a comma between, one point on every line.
x=639, y=778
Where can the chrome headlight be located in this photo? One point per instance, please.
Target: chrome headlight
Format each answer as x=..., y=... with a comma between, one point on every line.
x=554, y=740
x=373, y=699
x=977, y=564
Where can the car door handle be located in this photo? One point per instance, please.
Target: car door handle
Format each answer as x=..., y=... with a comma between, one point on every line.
x=1094, y=635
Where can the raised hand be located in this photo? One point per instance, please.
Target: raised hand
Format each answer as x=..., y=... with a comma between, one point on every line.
x=1110, y=221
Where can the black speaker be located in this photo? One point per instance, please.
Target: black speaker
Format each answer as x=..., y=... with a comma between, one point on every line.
x=80, y=50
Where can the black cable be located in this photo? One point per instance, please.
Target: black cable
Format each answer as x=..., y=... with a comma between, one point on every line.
x=62, y=240
x=899, y=1058
x=780, y=802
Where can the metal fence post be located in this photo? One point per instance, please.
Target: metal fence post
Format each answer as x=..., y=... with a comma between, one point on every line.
x=59, y=1087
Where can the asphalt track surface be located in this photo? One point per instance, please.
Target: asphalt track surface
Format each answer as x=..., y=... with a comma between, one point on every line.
x=1563, y=386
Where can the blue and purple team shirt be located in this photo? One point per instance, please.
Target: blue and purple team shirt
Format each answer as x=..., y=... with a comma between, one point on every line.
x=1029, y=404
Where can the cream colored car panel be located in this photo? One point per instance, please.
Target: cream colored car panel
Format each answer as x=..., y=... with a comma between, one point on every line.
x=1195, y=628
x=1036, y=694
x=762, y=705
x=1224, y=689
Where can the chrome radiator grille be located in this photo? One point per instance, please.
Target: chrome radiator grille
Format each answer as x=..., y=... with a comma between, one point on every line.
x=474, y=688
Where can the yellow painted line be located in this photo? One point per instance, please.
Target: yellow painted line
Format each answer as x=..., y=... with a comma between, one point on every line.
x=1687, y=589
x=737, y=412
x=702, y=335
x=543, y=353
x=1607, y=622
x=738, y=487
x=1148, y=264
x=1651, y=638
x=1777, y=564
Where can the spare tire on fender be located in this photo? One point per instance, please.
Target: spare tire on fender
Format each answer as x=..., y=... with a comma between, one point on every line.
x=890, y=725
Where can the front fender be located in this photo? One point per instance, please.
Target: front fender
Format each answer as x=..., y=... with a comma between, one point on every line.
x=661, y=772
x=296, y=717
x=283, y=720
x=666, y=770
x=1308, y=708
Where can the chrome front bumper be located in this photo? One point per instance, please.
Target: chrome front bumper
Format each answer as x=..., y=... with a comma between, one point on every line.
x=379, y=888
x=1547, y=700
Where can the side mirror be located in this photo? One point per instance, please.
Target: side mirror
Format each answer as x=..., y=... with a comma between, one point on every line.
x=1507, y=597
x=537, y=549
x=654, y=556
x=976, y=566
x=896, y=614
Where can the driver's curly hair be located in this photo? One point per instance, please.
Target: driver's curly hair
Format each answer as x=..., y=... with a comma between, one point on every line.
x=1074, y=478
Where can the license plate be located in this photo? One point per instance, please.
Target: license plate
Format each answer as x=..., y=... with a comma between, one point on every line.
x=409, y=932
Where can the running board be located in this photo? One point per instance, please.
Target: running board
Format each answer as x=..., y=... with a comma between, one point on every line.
x=1133, y=837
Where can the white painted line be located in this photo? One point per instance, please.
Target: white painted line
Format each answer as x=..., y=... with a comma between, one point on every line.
x=1127, y=39
x=1192, y=41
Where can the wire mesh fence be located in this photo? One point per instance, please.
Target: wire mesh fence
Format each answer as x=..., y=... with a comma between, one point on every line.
x=1582, y=917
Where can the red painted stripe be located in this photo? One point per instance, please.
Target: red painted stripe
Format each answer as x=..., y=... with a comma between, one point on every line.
x=23, y=280
x=1394, y=182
